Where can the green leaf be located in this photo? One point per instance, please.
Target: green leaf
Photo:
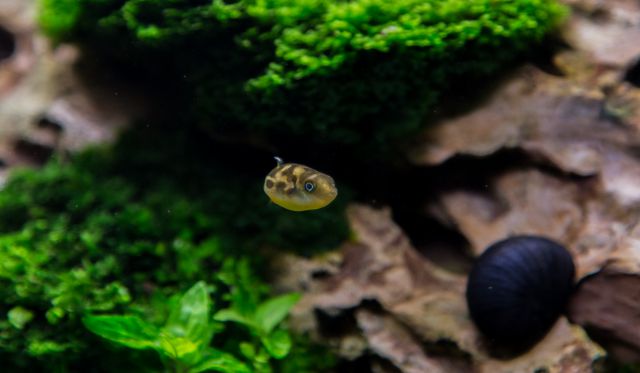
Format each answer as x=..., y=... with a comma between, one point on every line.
x=129, y=331
x=247, y=350
x=273, y=311
x=219, y=361
x=19, y=317
x=54, y=315
x=43, y=348
x=231, y=314
x=278, y=344
x=176, y=347
x=244, y=290
x=190, y=317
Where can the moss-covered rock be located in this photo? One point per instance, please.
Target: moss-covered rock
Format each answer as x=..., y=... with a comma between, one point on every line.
x=122, y=229
x=362, y=73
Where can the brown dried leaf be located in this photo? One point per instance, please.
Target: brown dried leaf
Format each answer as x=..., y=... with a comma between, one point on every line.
x=542, y=114
x=595, y=228
x=608, y=303
x=16, y=17
x=585, y=123
x=515, y=208
x=578, y=67
x=392, y=341
x=623, y=104
x=566, y=349
x=381, y=256
x=45, y=103
x=607, y=30
x=421, y=302
x=552, y=119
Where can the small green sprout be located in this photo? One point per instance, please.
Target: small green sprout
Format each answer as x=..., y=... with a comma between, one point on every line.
x=184, y=341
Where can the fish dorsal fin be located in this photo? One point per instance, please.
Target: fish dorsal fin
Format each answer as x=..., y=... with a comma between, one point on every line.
x=279, y=160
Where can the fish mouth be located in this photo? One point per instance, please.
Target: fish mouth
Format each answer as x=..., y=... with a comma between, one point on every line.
x=333, y=194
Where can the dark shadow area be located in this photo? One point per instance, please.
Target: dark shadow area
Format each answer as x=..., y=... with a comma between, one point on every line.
x=38, y=153
x=543, y=57
x=359, y=365
x=633, y=74
x=334, y=326
x=411, y=201
x=49, y=124
x=7, y=44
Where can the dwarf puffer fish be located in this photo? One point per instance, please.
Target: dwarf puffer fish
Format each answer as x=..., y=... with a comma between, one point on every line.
x=299, y=188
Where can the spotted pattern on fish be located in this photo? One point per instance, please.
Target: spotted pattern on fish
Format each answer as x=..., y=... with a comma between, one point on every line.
x=269, y=183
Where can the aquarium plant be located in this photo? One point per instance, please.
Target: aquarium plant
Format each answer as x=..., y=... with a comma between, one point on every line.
x=120, y=230
x=184, y=342
x=360, y=74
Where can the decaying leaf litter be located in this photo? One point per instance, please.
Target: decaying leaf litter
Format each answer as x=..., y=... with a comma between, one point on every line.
x=578, y=130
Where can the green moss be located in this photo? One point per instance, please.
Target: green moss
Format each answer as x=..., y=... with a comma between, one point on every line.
x=57, y=17
x=363, y=73
x=121, y=229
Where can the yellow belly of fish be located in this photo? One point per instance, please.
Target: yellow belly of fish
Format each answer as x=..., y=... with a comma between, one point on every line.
x=295, y=205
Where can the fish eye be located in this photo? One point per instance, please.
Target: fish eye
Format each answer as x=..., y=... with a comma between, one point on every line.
x=309, y=186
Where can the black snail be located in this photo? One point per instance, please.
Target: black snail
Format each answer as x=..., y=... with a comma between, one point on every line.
x=517, y=289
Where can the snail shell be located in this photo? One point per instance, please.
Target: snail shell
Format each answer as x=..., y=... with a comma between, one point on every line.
x=517, y=289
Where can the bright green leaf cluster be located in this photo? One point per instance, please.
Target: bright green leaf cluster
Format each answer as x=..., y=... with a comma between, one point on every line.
x=184, y=340
x=261, y=320
x=361, y=73
x=120, y=230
